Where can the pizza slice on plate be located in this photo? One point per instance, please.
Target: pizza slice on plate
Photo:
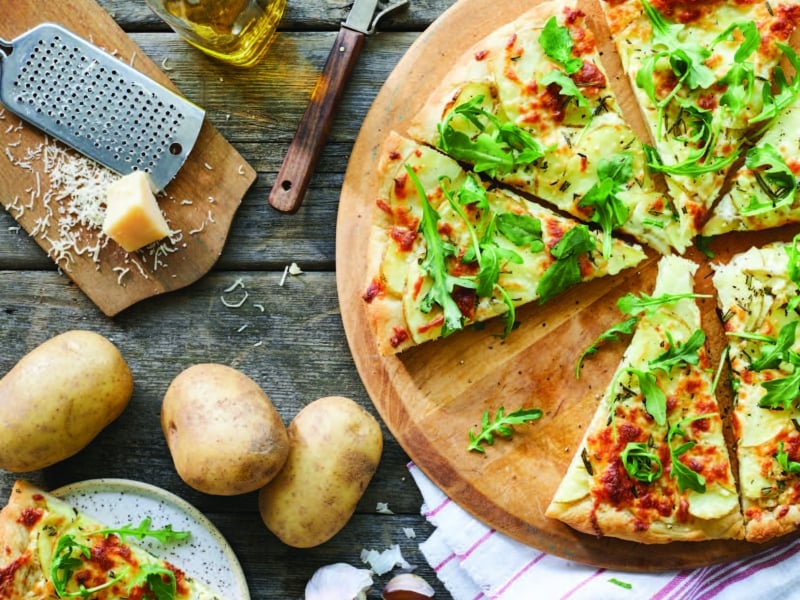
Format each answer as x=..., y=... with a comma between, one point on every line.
x=445, y=250
x=700, y=72
x=50, y=550
x=758, y=296
x=530, y=105
x=653, y=466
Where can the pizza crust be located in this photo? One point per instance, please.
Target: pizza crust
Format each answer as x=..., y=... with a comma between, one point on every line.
x=594, y=495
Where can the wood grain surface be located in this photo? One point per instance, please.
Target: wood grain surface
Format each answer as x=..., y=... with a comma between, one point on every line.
x=200, y=202
x=296, y=348
x=432, y=396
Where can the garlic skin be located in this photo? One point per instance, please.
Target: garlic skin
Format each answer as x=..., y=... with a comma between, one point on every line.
x=407, y=586
x=339, y=581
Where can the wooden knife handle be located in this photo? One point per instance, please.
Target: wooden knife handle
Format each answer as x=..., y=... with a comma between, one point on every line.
x=295, y=173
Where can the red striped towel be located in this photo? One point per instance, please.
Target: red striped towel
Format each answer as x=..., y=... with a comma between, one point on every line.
x=474, y=562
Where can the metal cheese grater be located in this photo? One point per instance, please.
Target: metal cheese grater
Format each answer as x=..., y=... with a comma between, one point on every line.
x=98, y=105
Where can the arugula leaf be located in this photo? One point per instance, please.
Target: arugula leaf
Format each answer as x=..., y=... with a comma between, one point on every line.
x=434, y=264
x=567, y=85
x=686, y=58
x=496, y=147
x=566, y=270
x=775, y=102
x=703, y=131
x=774, y=352
x=144, y=530
x=485, y=251
x=702, y=244
x=773, y=176
x=631, y=304
x=687, y=478
x=501, y=424
x=782, y=393
x=159, y=580
x=65, y=564
x=626, y=327
x=641, y=462
x=788, y=466
x=678, y=355
x=522, y=230
x=655, y=400
x=613, y=175
x=557, y=44
x=793, y=268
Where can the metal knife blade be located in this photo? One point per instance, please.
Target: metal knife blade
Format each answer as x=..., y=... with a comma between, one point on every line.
x=360, y=16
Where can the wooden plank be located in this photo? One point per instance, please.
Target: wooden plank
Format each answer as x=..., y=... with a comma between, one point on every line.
x=115, y=279
x=161, y=336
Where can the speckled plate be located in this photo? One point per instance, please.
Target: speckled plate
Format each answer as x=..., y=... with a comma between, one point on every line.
x=206, y=555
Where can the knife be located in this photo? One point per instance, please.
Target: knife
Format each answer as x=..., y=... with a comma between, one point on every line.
x=294, y=175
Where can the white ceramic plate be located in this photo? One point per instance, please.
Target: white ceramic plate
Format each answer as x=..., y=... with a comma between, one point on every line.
x=206, y=555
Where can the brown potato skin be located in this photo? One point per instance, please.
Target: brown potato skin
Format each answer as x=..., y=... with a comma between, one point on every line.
x=58, y=397
x=335, y=448
x=223, y=432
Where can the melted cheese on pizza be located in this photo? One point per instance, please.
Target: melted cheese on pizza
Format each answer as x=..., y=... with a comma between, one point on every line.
x=399, y=280
x=692, y=122
x=753, y=292
x=31, y=526
x=511, y=71
x=599, y=494
x=753, y=202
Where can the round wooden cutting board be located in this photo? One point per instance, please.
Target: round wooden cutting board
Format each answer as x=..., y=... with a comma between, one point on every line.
x=431, y=396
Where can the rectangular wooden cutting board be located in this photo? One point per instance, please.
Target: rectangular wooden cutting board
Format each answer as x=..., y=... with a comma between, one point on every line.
x=199, y=203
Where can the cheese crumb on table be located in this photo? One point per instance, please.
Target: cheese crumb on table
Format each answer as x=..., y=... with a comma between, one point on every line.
x=133, y=218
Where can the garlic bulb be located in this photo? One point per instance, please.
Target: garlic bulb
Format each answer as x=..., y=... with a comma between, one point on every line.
x=339, y=581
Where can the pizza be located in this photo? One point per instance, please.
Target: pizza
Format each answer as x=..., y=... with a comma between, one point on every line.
x=531, y=106
x=520, y=176
x=51, y=550
x=700, y=72
x=758, y=294
x=447, y=250
x=763, y=191
x=653, y=465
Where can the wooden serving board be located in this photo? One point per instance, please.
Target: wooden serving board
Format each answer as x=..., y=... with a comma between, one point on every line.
x=200, y=202
x=431, y=396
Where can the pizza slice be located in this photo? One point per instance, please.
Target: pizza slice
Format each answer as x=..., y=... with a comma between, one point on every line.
x=700, y=72
x=653, y=466
x=445, y=250
x=530, y=105
x=763, y=192
x=50, y=550
x=758, y=296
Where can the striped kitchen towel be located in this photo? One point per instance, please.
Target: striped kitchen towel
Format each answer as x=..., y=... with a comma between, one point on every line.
x=475, y=562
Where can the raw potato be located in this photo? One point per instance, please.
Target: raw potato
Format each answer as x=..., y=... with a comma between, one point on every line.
x=335, y=449
x=58, y=397
x=223, y=431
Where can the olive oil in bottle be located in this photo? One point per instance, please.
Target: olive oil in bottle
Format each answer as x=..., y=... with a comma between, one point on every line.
x=238, y=32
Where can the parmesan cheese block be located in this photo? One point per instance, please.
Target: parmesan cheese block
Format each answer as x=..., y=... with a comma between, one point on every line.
x=133, y=218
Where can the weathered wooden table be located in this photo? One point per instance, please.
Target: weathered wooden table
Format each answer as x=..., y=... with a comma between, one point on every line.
x=295, y=349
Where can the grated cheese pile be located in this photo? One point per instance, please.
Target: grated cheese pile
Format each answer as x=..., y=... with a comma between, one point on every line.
x=70, y=210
